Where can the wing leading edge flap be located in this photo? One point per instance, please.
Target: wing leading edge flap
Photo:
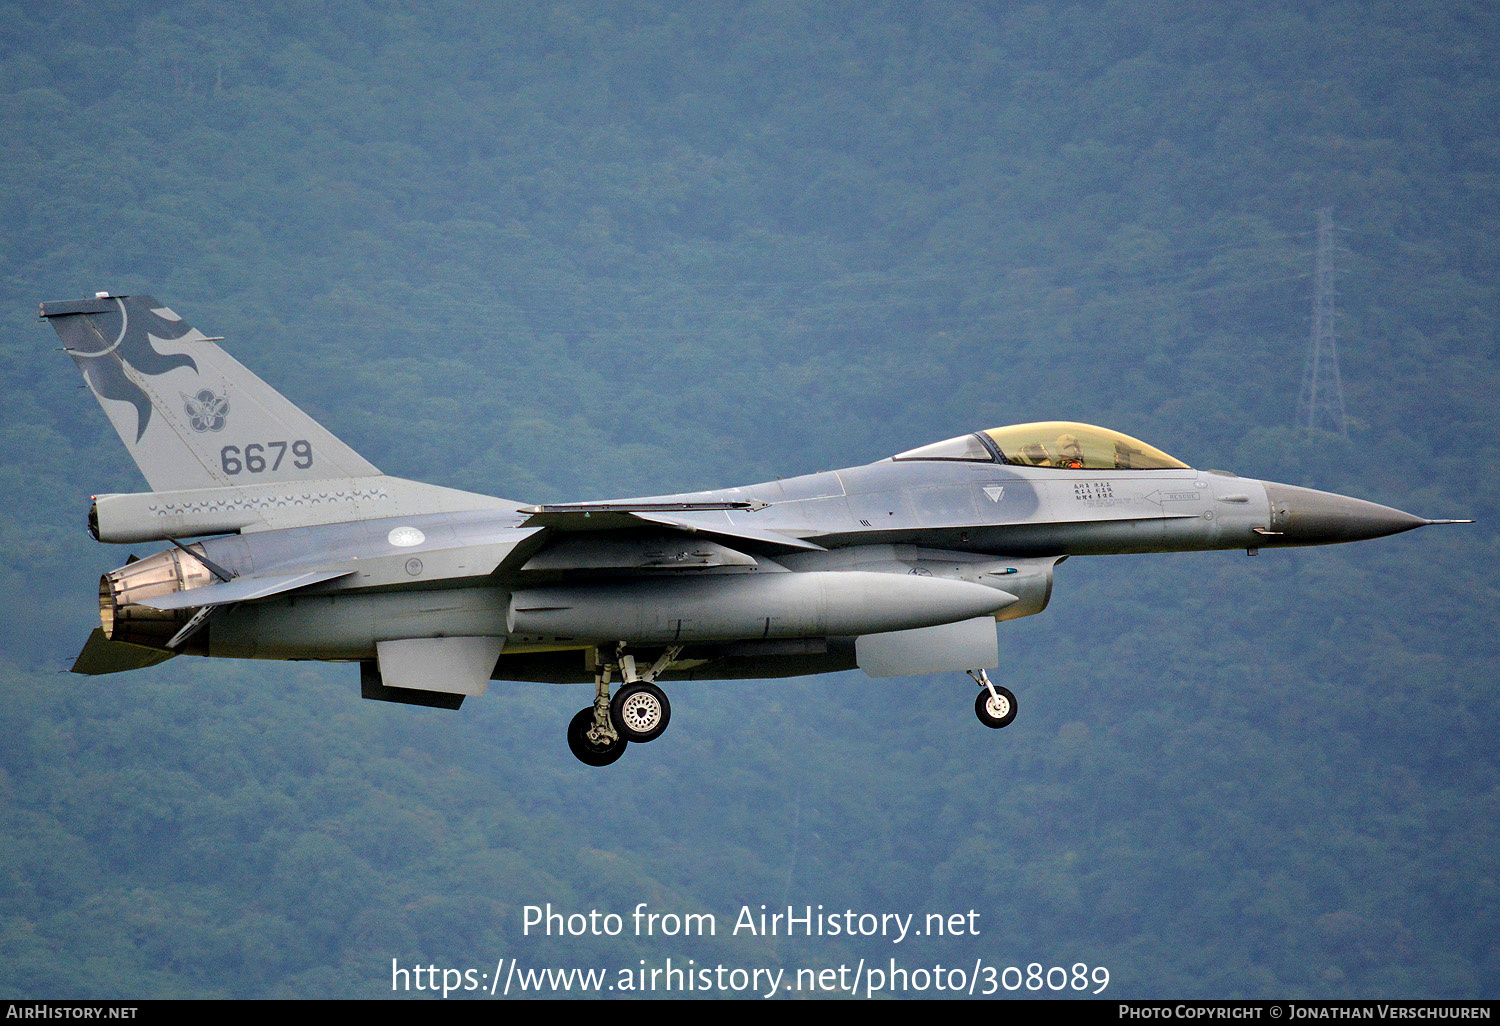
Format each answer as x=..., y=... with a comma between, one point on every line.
x=727, y=529
x=241, y=589
x=613, y=517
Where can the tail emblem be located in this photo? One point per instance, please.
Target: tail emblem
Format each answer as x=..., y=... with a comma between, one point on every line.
x=132, y=347
x=206, y=411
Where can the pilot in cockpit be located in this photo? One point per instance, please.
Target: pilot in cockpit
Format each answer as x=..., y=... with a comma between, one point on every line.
x=1069, y=453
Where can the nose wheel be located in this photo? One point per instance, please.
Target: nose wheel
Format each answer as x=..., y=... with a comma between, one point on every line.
x=994, y=705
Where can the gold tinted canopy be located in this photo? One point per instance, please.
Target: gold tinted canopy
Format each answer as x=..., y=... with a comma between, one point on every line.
x=1059, y=444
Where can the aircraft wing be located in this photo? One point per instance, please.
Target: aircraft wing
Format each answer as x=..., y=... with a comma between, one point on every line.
x=710, y=518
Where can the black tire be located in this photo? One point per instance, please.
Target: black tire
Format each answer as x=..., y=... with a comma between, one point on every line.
x=640, y=712
x=585, y=750
x=995, y=714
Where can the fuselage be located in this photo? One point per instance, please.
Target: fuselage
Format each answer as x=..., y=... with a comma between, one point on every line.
x=782, y=581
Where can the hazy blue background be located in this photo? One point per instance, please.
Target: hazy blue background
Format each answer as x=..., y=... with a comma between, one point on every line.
x=571, y=251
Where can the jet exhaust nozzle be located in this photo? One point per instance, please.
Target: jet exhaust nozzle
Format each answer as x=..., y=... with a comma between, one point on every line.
x=121, y=591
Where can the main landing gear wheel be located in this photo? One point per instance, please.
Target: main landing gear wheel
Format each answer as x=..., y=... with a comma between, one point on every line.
x=995, y=710
x=593, y=753
x=640, y=711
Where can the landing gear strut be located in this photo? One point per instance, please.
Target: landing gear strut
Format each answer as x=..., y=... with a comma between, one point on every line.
x=995, y=706
x=638, y=712
x=592, y=738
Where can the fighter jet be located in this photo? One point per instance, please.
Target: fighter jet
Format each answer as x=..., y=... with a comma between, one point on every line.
x=282, y=542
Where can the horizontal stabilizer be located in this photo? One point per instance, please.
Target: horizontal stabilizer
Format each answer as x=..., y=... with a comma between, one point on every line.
x=100, y=656
x=241, y=589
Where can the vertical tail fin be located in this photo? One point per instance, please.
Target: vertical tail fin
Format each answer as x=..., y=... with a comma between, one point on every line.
x=191, y=415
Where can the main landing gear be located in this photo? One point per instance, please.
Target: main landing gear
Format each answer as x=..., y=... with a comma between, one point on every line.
x=995, y=706
x=638, y=712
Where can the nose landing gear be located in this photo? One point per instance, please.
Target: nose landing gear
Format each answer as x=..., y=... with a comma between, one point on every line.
x=995, y=706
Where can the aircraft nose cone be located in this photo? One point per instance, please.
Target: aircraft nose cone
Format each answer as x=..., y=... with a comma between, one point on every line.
x=1305, y=516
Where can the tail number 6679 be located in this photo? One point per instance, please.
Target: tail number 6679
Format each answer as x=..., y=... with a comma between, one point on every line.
x=259, y=457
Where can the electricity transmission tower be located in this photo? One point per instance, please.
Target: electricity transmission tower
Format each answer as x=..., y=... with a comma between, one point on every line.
x=1320, y=405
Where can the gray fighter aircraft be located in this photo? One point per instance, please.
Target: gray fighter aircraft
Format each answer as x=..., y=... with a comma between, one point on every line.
x=898, y=567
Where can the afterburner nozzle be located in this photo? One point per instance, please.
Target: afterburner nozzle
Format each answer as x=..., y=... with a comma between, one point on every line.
x=121, y=613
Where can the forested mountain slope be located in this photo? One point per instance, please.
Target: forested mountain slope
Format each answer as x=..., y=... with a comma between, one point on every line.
x=576, y=251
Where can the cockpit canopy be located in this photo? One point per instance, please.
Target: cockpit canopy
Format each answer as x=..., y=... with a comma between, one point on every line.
x=1059, y=444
